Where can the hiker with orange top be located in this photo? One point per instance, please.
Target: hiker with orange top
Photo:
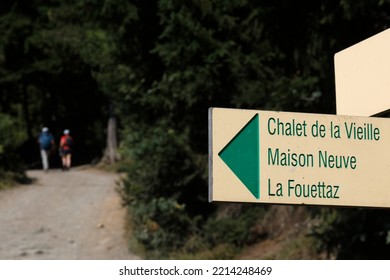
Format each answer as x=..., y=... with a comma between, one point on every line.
x=65, y=150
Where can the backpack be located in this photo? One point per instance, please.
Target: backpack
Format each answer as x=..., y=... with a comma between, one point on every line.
x=45, y=140
x=68, y=141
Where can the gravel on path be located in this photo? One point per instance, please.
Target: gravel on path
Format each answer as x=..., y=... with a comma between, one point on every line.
x=64, y=215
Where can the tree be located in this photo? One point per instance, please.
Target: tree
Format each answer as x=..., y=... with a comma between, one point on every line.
x=48, y=72
x=241, y=54
x=111, y=154
x=204, y=54
x=161, y=65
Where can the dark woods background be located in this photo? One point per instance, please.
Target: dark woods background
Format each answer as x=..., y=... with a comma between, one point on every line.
x=159, y=66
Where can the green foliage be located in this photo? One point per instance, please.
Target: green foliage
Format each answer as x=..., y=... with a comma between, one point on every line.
x=204, y=54
x=232, y=224
x=200, y=54
x=164, y=226
x=354, y=233
x=162, y=65
x=160, y=198
x=11, y=137
x=50, y=55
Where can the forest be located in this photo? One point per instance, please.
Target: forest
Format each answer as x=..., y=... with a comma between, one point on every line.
x=155, y=67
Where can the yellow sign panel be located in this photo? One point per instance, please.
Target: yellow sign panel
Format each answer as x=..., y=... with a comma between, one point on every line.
x=297, y=158
x=362, y=77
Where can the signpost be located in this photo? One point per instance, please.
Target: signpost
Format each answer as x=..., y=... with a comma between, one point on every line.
x=296, y=158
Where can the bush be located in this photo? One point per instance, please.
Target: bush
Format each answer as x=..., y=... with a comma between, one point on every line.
x=354, y=233
x=161, y=225
x=11, y=137
x=162, y=189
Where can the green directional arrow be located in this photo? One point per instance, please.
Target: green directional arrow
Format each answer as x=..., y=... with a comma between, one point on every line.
x=242, y=156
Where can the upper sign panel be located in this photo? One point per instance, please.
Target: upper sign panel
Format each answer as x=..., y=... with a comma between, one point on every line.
x=362, y=74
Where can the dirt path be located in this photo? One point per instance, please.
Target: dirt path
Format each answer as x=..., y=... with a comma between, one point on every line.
x=71, y=215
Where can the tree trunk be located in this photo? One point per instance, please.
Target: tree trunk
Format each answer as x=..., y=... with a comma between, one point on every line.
x=111, y=153
x=26, y=112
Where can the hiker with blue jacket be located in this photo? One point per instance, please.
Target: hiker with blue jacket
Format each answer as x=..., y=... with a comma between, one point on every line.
x=46, y=143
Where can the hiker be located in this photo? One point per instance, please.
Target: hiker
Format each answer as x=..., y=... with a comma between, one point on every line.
x=46, y=143
x=65, y=150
